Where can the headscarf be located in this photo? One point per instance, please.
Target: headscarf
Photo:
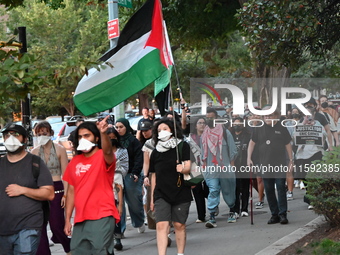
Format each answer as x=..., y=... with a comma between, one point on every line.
x=125, y=139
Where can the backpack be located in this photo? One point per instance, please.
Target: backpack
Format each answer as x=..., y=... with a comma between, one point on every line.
x=36, y=173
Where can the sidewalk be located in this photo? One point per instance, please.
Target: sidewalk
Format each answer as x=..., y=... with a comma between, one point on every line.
x=228, y=238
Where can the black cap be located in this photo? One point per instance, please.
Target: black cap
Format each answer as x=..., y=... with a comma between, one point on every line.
x=13, y=127
x=146, y=125
x=311, y=101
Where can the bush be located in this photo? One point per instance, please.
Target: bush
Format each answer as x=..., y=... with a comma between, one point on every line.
x=323, y=181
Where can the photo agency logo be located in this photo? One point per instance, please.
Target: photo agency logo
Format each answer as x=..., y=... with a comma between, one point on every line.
x=231, y=93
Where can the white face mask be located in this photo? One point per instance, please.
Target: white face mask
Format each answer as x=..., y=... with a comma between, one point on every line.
x=43, y=139
x=164, y=135
x=85, y=145
x=12, y=143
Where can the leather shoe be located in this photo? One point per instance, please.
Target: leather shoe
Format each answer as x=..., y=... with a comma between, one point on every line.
x=283, y=219
x=274, y=219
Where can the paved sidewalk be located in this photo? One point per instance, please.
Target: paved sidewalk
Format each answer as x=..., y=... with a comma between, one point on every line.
x=228, y=238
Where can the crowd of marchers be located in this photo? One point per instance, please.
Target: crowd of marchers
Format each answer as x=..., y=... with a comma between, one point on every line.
x=83, y=199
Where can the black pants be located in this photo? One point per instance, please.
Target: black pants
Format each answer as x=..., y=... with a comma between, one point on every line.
x=242, y=195
x=200, y=193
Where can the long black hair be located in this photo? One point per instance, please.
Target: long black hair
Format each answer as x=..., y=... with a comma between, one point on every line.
x=92, y=127
x=170, y=124
x=193, y=128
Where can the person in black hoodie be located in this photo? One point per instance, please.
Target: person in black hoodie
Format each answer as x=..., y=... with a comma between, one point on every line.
x=133, y=181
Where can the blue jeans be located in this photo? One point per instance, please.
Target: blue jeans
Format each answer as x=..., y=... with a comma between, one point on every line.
x=24, y=242
x=134, y=199
x=227, y=186
x=279, y=205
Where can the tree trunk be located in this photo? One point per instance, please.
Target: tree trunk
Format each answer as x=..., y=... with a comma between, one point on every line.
x=143, y=101
x=270, y=77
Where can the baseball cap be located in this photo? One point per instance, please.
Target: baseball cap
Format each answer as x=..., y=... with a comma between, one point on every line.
x=146, y=125
x=13, y=127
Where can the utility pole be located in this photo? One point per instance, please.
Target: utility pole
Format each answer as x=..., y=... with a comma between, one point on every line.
x=25, y=103
x=113, y=14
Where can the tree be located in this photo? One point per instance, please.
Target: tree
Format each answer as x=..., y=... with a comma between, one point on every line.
x=68, y=40
x=279, y=33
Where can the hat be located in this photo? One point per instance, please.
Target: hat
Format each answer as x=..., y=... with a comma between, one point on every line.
x=146, y=125
x=13, y=127
x=311, y=101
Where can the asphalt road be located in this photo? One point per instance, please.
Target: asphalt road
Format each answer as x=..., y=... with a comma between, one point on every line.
x=238, y=238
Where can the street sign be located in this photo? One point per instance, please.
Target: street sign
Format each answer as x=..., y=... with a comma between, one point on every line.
x=113, y=28
x=125, y=3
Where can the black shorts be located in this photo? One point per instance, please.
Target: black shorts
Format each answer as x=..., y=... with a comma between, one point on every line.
x=167, y=212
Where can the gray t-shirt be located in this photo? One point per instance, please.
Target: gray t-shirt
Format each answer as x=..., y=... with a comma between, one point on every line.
x=21, y=212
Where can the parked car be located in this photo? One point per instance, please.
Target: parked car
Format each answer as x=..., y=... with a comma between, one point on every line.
x=2, y=147
x=134, y=122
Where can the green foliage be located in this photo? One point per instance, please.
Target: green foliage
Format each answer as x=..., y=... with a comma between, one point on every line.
x=279, y=32
x=324, y=186
x=68, y=41
x=326, y=247
x=196, y=24
x=18, y=76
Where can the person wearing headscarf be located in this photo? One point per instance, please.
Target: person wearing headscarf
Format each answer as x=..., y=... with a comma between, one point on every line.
x=133, y=181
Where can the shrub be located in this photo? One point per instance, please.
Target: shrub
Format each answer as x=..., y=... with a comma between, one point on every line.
x=323, y=181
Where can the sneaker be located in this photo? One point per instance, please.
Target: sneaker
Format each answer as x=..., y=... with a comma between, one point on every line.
x=50, y=243
x=232, y=217
x=237, y=215
x=211, y=223
x=200, y=221
x=310, y=207
x=302, y=185
x=283, y=219
x=274, y=219
x=244, y=214
x=141, y=229
x=297, y=184
x=289, y=195
x=259, y=205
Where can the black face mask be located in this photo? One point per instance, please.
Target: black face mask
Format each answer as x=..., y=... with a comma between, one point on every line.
x=295, y=115
x=238, y=128
x=324, y=105
x=210, y=123
x=114, y=142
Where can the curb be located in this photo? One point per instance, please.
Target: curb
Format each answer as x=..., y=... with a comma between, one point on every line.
x=288, y=240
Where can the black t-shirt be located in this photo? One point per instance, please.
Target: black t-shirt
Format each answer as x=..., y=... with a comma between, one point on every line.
x=321, y=118
x=241, y=141
x=143, y=120
x=164, y=165
x=271, y=143
x=18, y=213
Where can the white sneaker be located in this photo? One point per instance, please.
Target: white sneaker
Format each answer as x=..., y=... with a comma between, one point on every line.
x=237, y=215
x=297, y=184
x=141, y=229
x=310, y=207
x=244, y=214
x=302, y=186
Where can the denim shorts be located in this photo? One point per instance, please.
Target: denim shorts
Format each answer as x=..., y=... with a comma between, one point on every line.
x=172, y=213
x=24, y=242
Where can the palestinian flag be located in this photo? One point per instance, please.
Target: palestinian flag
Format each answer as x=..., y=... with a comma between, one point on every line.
x=141, y=56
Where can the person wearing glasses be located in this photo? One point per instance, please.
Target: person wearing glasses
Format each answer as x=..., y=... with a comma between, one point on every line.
x=21, y=195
